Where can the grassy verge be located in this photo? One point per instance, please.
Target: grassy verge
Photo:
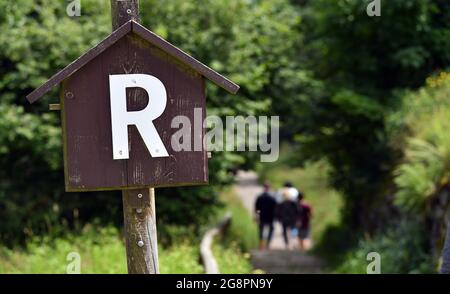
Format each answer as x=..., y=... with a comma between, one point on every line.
x=243, y=229
x=100, y=251
x=231, y=259
x=232, y=252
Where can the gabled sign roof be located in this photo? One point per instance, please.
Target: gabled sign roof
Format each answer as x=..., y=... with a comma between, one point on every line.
x=132, y=26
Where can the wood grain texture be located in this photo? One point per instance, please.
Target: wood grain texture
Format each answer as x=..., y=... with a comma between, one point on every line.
x=140, y=231
x=124, y=11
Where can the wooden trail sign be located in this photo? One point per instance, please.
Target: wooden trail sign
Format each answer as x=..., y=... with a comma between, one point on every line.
x=117, y=103
x=86, y=112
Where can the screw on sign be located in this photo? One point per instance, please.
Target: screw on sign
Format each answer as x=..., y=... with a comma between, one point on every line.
x=117, y=103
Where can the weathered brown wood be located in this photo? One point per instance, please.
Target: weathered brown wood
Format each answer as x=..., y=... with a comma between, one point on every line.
x=140, y=231
x=90, y=163
x=124, y=11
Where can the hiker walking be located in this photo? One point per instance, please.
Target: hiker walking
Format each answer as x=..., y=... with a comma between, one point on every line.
x=265, y=212
x=291, y=191
x=304, y=214
x=287, y=215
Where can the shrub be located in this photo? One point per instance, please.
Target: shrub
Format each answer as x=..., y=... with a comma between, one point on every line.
x=402, y=250
x=426, y=167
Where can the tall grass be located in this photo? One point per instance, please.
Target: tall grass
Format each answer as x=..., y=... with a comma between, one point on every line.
x=101, y=251
x=243, y=229
x=231, y=259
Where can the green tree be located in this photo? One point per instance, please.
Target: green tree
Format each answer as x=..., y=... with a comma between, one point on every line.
x=364, y=61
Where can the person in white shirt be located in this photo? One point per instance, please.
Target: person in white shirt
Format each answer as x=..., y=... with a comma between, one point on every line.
x=288, y=189
x=288, y=192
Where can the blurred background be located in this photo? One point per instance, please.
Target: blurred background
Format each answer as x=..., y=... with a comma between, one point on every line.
x=364, y=106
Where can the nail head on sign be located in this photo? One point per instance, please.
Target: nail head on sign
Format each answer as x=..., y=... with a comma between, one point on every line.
x=140, y=243
x=139, y=210
x=128, y=11
x=139, y=195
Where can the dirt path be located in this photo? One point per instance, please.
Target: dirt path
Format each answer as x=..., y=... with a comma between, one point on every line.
x=277, y=259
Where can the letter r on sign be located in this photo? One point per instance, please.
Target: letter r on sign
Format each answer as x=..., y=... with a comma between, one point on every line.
x=142, y=119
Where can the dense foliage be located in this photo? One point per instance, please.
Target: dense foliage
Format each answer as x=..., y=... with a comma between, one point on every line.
x=362, y=63
x=426, y=168
x=401, y=250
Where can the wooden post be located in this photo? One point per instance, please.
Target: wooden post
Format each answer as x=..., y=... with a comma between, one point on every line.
x=140, y=231
x=123, y=11
x=138, y=204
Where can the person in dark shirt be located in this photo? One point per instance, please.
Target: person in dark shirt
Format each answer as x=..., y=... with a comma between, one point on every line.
x=304, y=222
x=287, y=215
x=265, y=211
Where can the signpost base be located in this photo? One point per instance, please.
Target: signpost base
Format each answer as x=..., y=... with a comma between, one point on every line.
x=140, y=231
